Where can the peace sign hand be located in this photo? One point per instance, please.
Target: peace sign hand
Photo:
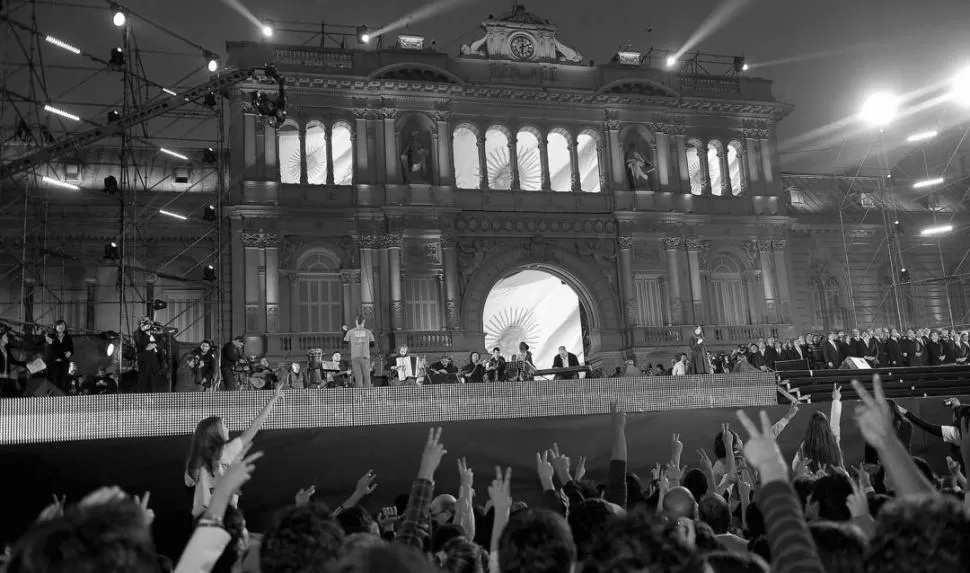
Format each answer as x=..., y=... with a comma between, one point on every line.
x=873, y=415
x=761, y=449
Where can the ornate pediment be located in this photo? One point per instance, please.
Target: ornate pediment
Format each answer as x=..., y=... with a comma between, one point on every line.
x=521, y=36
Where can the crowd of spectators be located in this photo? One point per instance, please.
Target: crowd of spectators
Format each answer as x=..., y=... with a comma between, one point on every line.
x=744, y=508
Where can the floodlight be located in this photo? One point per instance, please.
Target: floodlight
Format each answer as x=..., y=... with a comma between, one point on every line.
x=119, y=19
x=61, y=184
x=111, y=251
x=880, y=109
x=267, y=31
x=209, y=215
x=671, y=61
x=172, y=215
x=61, y=112
x=961, y=87
x=173, y=154
x=117, y=58
x=928, y=183
x=209, y=273
x=209, y=156
x=938, y=230
x=111, y=185
x=113, y=116
x=213, y=63
x=62, y=45
x=922, y=136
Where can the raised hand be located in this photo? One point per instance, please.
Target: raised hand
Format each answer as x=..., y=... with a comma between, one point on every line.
x=704, y=461
x=500, y=491
x=544, y=469
x=863, y=476
x=580, y=469
x=836, y=392
x=561, y=463
x=745, y=484
x=434, y=450
x=761, y=449
x=802, y=462
x=304, y=496
x=728, y=438
x=676, y=449
x=387, y=518
x=857, y=502
x=965, y=440
x=103, y=495
x=55, y=509
x=873, y=415
x=793, y=409
x=146, y=511
x=278, y=395
x=465, y=475
x=675, y=473
x=240, y=470
x=365, y=485
x=617, y=418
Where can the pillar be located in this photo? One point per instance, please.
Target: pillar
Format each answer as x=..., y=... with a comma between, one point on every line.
x=482, y=163
x=442, y=295
x=766, y=158
x=616, y=153
x=751, y=152
x=328, y=136
x=391, y=159
x=255, y=282
x=238, y=283
x=449, y=259
x=90, y=302
x=781, y=273
x=663, y=159
x=704, y=168
x=544, y=159
x=762, y=251
x=304, y=179
x=271, y=156
x=272, y=276
x=393, y=245
x=696, y=287
x=349, y=279
x=725, y=172
x=249, y=142
x=743, y=164
x=360, y=146
x=514, y=161
x=627, y=288
x=682, y=163
x=445, y=172
x=295, y=311
x=577, y=184
x=672, y=247
x=368, y=243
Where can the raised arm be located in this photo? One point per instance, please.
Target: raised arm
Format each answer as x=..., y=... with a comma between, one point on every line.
x=781, y=424
x=464, y=510
x=835, y=415
x=249, y=435
x=616, y=482
x=415, y=524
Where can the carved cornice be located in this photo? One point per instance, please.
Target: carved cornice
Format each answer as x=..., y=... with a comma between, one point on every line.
x=693, y=245
x=391, y=241
x=441, y=115
x=260, y=240
x=369, y=241
x=779, y=244
x=755, y=133
x=612, y=124
x=490, y=224
x=624, y=242
x=449, y=242
x=673, y=243
x=389, y=112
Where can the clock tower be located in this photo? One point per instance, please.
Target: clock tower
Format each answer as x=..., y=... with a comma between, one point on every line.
x=520, y=36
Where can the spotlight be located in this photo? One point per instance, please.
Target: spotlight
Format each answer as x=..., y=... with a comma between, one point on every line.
x=961, y=87
x=111, y=251
x=928, y=183
x=159, y=304
x=267, y=31
x=209, y=214
x=739, y=65
x=113, y=116
x=209, y=156
x=362, y=35
x=110, y=350
x=209, y=100
x=111, y=185
x=745, y=68
x=213, y=64
x=904, y=275
x=209, y=274
x=117, y=58
x=61, y=112
x=880, y=109
x=671, y=61
x=940, y=230
x=898, y=227
x=119, y=19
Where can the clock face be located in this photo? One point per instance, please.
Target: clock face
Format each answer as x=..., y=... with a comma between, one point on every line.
x=523, y=47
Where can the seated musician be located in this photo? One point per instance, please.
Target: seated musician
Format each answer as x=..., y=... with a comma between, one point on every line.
x=295, y=378
x=474, y=371
x=443, y=371
x=528, y=368
x=495, y=369
x=9, y=365
x=565, y=360
x=202, y=362
x=262, y=376
x=403, y=368
x=339, y=378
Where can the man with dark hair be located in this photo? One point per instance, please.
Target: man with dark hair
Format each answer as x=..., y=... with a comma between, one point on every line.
x=679, y=502
x=384, y=557
x=828, y=499
x=304, y=539
x=841, y=547
x=921, y=533
x=639, y=542
x=736, y=562
x=696, y=482
x=587, y=521
x=714, y=511
x=536, y=541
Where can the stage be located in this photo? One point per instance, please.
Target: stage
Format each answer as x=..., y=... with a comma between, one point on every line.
x=330, y=438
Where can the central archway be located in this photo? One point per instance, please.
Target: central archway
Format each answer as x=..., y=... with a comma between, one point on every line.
x=538, y=308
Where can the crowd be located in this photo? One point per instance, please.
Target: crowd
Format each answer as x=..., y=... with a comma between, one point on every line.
x=744, y=508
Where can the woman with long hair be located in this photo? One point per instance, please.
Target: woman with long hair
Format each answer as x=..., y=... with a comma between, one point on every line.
x=211, y=452
x=60, y=348
x=822, y=442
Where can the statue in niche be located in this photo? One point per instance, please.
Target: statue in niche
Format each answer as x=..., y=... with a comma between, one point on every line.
x=416, y=167
x=638, y=168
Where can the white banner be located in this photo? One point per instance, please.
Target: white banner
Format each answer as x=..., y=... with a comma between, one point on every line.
x=536, y=308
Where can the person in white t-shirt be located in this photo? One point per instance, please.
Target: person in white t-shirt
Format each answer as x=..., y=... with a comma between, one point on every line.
x=212, y=452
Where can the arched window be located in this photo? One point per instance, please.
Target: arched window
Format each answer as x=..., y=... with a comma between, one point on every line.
x=465, y=148
x=714, y=166
x=695, y=169
x=289, y=150
x=530, y=165
x=729, y=298
x=319, y=304
x=560, y=165
x=589, y=162
x=316, y=153
x=497, y=157
x=735, y=169
x=343, y=154
x=827, y=310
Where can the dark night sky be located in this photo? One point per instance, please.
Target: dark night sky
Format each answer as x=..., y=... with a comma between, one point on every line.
x=894, y=44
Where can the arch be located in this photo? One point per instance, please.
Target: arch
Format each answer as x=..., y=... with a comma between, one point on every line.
x=413, y=71
x=728, y=289
x=315, y=150
x=318, y=260
x=588, y=149
x=715, y=150
x=726, y=262
x=342, y=142
x=595, y=293
x=497, y=161
x=529, y=160
x=736, y=169
x=638, y=86
x=288, y=147
x=423, y=120
x=696, y=165
x=560, y=160
x=464, y=148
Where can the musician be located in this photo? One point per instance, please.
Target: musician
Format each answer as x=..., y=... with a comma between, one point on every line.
x=295, y=378
x=565, y=359
x=262, y=376
x=150, y=377
x=203, y=364
x=914, y=349
x=894, y=352
x=528, y=369
x=443, y=371
x=474, y=371
x=495, y=369
x=232, y=361
x=680, y=366
x=341, y=377
x=961, y=350
x=7, y=359
x=831, y=352
x=404, y=368
x=60, y=347
x=360, y=339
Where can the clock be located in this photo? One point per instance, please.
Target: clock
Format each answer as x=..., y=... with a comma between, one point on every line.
x=523, y=46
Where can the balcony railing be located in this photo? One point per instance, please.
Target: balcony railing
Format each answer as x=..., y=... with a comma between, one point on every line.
x=429, y=340
x=717, y=335
x=297, y=343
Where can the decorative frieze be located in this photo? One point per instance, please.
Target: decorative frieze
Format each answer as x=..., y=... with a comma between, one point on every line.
x=260, y=240
x=487, y=223
x=391, y=241
x=673, y=243
x=350, y=276
x=369, y=241
x=624, y=242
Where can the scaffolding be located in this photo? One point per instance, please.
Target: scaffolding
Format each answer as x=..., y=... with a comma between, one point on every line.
x=50, y=85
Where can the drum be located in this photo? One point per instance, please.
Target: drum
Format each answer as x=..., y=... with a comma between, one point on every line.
x=314, y=358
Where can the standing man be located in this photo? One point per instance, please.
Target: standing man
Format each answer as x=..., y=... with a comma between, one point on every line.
x=232, y=354
x=149, y=366
x=360, y=339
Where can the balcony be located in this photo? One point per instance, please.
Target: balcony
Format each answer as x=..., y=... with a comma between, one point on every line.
x=288, y=344
x=718, y=336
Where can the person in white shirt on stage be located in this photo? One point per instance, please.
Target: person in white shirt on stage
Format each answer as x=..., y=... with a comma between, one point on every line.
x=680, y=367
x=360, y=339
x=565, y=359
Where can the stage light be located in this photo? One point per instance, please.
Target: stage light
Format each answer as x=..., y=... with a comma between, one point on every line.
x=173, y=154
x=209, y=100
x=880, y=109
x=745, y=68
x=961, y=87
x=904, y=275
x=61, y=184
x=61, y=112
x=213, y=64
x=111, y=185
x=62, y=45
x=111, y=251
x=159, y=304
x=169, y=92
x=267, y=31
x=172, y=215
x=209, y=274
x=209, y=156
x=209, y=214
x=739, y=65
x=922, y=136
x=928, y=183
x=898, y=227
x=113, y=116
x=119, y=19
x=671, y=61
x=938, y=230
x=362, y=35
x=117, y=58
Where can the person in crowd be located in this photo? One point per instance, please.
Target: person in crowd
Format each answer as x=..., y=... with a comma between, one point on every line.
x=565, y=359
x=821, y=447
x=894, y=349
x=936, y=350
x=961, y=348
x=360, y=339
x=832, y=352
x=527, y=365
x=680, y=366
x=232, y=362
x=60, y=348
x=8, y=364
x=474, y=371
x=443, y=371
x=770, y=354
x=342, y=376
x=495, y=369
x=212, y=452
x=203, y=364
x=756, y=358
x=700, y=363
x=914, y=349
x=150, y=378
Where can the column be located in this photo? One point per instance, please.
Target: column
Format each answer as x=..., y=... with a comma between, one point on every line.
x=393, y=245
x=272, y=165
x=577, y=183
x=781, y=273
x=514, y=161
x=544, y=160
x=743, y=164
x=304, y=180
x=766, y=158
x=254, y=289
x=237, y=324
x=449, y=259
x=482, y=163
x=260, y=171
x=682, y=163
x=752, y=154
x=442, y=315
x=348, y=279
x=445, y=172
x=672, y=247
x=272, y=286
x=295, y=312
x=762, y=252
x=391, y=159
x=696, y=287
x=725, y=172
x=328, y=137
x=249, y=142
x=368, y=243
x=627, y=289
x=90, y=302
x=360, y=146
x=616, y=154
x=663, y=159
x=601, y=165
x=375, y=145
x=704, y=168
